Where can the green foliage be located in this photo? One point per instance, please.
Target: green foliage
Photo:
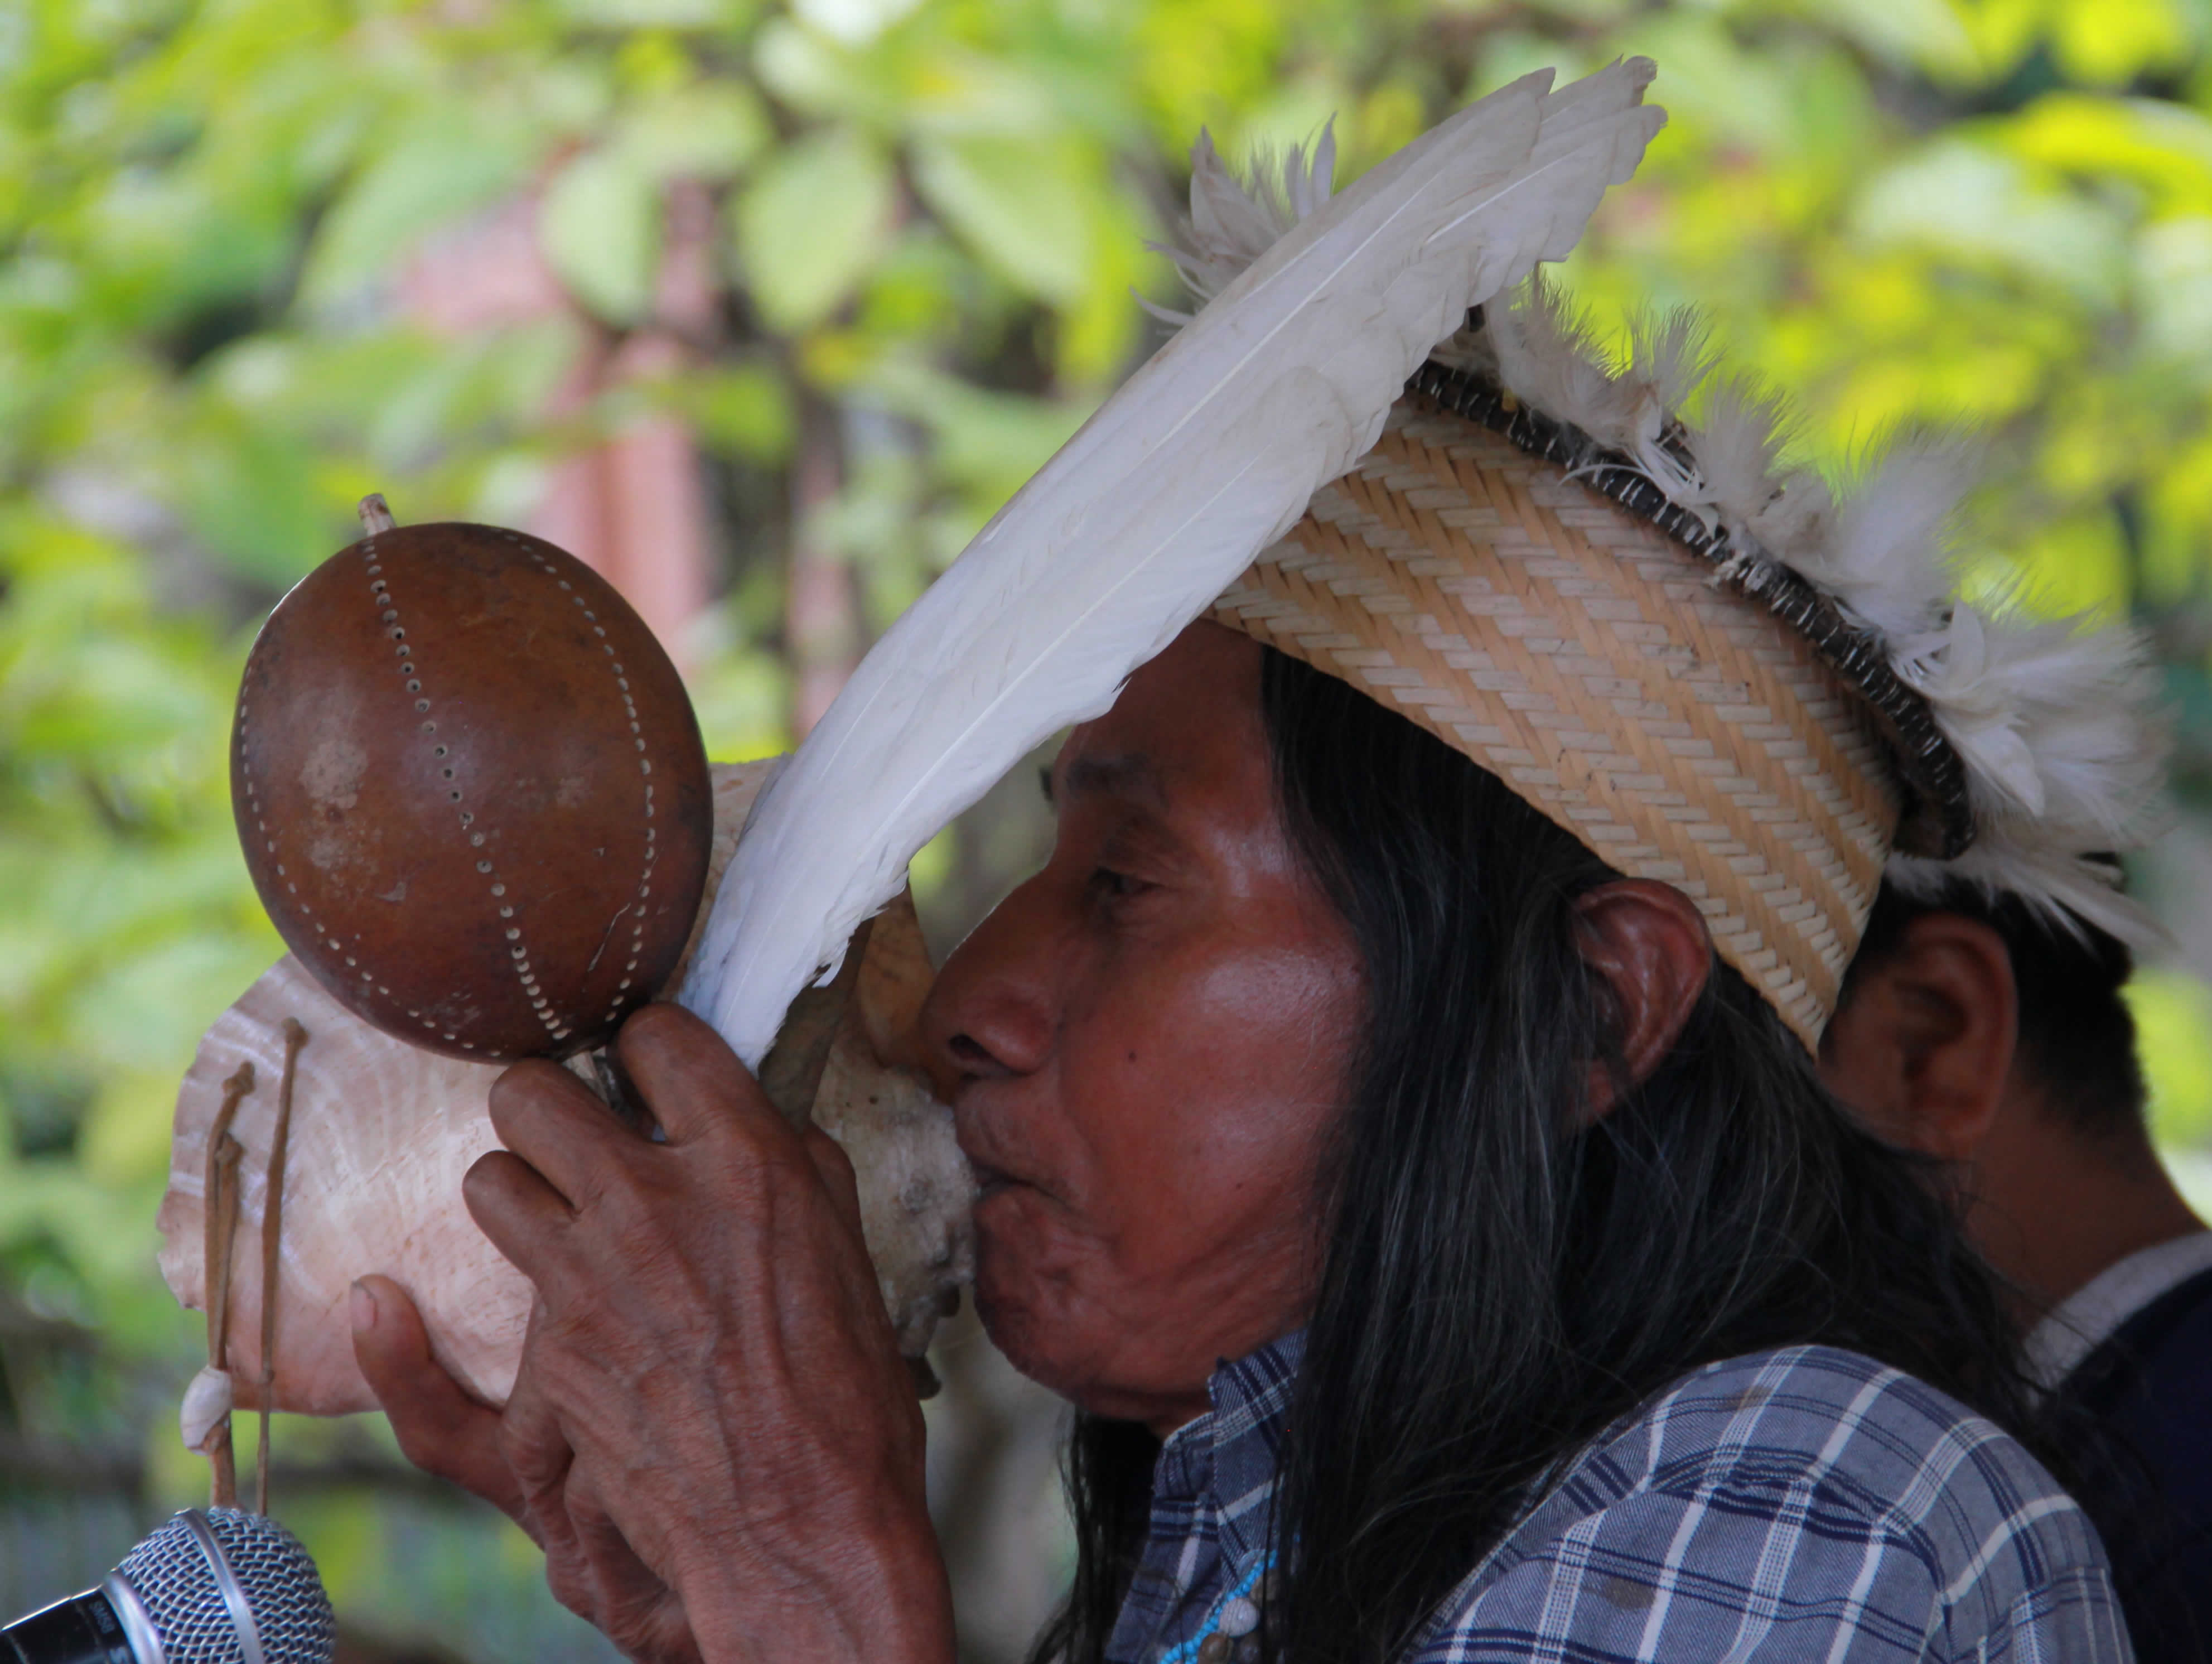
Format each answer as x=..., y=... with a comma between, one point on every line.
x=2174, y=1016
x=926, y=220
x=812, y=224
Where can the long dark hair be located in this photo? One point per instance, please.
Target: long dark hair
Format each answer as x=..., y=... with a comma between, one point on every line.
x=1500, y=1282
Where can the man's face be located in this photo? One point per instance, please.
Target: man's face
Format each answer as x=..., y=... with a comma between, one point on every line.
x=1152, y=1037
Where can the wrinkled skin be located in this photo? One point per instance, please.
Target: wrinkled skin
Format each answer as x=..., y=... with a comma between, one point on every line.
x=712, y=1436
x=1152, y=1037
x=720, y=1440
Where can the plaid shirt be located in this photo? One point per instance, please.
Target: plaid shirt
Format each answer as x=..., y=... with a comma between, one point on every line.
x=1801, y=1505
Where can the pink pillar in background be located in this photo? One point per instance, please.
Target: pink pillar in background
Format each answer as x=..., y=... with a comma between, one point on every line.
x=631, y=507
x=821, y=603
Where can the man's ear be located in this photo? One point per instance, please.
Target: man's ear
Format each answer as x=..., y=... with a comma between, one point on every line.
x=1920, y=1047
x=1648, y=942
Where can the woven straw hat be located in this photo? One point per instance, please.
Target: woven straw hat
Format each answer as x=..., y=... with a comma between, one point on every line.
x=1580, y=654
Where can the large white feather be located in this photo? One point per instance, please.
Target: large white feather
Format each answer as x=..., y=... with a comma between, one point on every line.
x=1207, y=454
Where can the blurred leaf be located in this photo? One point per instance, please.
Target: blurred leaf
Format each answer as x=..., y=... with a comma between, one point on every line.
x=249, y=492
x=709, y=131
x=599, y=225
x=2173, y=288
x=854, y=22
x=1928, y=35
x=150, y=1008
x=2113, y=41
x=2164, y=150
x=1962, y=200
x=740, y=698
x=652, y=14
x=1021, y=206
x=745, y=409
x=809, y=225
x=127, y=1133
x=441, y=169
x=808, y=72
x=993, y=441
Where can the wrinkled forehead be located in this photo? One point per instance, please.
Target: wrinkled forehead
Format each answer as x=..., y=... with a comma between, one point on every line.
x=1187, y=724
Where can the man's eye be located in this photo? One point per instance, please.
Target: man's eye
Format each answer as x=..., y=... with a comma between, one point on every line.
x=1107, y=882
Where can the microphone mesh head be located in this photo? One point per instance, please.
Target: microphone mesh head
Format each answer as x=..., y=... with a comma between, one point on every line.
x=170, y=1572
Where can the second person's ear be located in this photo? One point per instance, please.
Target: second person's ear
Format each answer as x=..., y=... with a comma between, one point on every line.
x=1921, y=1045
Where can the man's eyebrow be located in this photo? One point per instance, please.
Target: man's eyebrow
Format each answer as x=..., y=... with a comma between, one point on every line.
x=1130, y=775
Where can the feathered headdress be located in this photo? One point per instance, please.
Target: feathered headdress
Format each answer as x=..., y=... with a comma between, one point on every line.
x=1704, y=663
x=2062, y=753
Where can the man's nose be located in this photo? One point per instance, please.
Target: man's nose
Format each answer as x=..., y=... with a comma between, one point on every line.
x=994, y=1006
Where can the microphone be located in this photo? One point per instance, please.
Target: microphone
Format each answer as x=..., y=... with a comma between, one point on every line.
x=213, y=1586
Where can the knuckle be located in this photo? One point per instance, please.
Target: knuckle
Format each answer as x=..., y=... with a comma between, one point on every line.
x=783, y=1165
x=571, y=1587
x=537, y=1466
x=428, y=1452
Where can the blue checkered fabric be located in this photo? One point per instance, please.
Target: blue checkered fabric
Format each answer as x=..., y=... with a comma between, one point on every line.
x=1804, y=1505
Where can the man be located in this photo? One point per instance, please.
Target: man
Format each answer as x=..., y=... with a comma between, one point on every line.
x=1996, y=1039
x=1394, y=1098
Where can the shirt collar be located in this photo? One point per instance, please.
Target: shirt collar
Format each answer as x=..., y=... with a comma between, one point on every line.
x=1224, y=1461
x=2086, y=1319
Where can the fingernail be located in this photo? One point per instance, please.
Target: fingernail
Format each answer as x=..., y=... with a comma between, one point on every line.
x=362, y=1304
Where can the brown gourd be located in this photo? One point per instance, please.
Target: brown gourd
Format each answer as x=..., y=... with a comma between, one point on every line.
x=470, y=789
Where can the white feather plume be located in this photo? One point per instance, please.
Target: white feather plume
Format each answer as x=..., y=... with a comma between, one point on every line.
x=2055, y=721
x=1280, y=383
x=1232, y=224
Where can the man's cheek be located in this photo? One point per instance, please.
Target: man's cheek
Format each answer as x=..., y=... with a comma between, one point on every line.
x=1018, y=1233
x=1032, y=1270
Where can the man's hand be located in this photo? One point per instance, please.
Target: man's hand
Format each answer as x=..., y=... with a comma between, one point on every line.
x=441, y=1429
x=711, y=1381
x=444, y=1432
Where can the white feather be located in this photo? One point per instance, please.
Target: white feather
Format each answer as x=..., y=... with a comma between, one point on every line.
x=2065, y=891
x=1672, y=354
x=1738, y=440
x=1209, y=453
x=2057, y=721
x=1547, y=355
x=1230, y=225
x=1884, y=557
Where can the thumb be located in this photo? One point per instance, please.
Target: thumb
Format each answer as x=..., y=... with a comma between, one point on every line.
x=441, y=1429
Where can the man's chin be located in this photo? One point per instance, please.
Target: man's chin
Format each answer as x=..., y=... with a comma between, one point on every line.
x=1027, y=1329
x=1011, y=1325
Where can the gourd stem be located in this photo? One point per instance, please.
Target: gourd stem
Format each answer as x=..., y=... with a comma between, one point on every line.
x=219, y=1201
x=272, y=1237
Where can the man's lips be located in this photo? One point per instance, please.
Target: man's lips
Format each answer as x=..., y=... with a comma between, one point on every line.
x=993, y=1179
x=973, y=1132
